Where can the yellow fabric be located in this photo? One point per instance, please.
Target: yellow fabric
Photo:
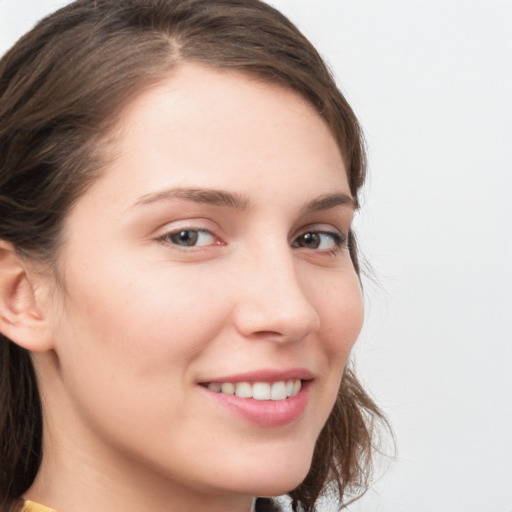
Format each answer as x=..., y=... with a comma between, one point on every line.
x=30, y=506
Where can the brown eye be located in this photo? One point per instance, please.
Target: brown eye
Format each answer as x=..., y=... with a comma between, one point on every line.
x=309, y=240
x=322, y=240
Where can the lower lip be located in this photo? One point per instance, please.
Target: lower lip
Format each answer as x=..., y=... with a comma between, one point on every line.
x=265, y=413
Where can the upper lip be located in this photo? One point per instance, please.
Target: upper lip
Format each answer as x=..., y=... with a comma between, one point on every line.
x=265, y=375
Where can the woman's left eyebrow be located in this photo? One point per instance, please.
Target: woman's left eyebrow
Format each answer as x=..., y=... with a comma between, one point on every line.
x=329, y=201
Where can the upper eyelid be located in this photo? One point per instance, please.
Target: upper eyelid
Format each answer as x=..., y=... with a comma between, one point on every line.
x=321, y=228
x=198, y=224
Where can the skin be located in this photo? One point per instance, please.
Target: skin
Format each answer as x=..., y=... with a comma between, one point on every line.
x=140, y=321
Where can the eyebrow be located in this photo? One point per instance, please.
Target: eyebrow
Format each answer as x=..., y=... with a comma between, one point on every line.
x=199, y=195
x=328, y=201
x=239, y=202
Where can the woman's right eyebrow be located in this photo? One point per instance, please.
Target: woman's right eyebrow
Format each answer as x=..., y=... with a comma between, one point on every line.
x=210, y=196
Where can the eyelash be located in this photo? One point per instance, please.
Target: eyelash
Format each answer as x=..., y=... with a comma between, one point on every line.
x=339, y=240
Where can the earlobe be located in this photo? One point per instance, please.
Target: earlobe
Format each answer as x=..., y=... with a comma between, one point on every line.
x=22, y=317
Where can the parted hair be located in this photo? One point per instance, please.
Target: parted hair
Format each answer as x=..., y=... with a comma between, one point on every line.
x=62, y=87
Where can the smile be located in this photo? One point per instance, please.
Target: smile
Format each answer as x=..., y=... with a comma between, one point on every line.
x=280, y=390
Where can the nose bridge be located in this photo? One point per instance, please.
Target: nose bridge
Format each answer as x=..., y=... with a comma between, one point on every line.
x=272, y=301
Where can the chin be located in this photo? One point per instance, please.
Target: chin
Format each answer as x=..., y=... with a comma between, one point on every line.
x=277, y=488
x=273, y=478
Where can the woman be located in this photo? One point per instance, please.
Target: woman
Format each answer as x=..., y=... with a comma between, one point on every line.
x=179, y=289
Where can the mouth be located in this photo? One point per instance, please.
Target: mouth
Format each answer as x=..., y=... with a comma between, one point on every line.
x=265, y=398
x=280, y=390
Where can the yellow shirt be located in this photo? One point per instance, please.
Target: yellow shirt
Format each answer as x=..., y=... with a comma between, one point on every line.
x=30, y=506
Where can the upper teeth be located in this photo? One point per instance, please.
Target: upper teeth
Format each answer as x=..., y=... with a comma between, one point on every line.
x=258, y=390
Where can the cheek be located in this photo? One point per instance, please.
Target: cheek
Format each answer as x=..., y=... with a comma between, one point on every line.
x=340, y=307
x=140, y=334
x=125, y=352
x=128, y=328
x=341, y=315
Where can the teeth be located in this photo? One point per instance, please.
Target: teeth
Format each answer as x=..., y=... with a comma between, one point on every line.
x=228, y=388
x=243, y=390
x=259, y=390
x=278, y=391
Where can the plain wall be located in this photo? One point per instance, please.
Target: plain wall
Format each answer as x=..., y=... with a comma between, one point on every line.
x=431, y=82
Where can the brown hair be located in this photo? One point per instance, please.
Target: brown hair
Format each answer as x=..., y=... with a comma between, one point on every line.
x=62, y=87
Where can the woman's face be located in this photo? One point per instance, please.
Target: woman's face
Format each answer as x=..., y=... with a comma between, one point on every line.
x=211, y=254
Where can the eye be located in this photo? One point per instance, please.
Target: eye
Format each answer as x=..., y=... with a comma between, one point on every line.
x=190, y=237
x=320, y=240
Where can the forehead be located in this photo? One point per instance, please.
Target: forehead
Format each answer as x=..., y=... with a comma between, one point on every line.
x=218, y=128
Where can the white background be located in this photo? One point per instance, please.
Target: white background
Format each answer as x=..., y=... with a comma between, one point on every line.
x=431, y=82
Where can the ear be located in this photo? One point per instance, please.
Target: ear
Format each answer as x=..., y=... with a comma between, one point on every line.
x=22, y=308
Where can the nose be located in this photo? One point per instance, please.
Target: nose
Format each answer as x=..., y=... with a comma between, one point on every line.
x=271, y=301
